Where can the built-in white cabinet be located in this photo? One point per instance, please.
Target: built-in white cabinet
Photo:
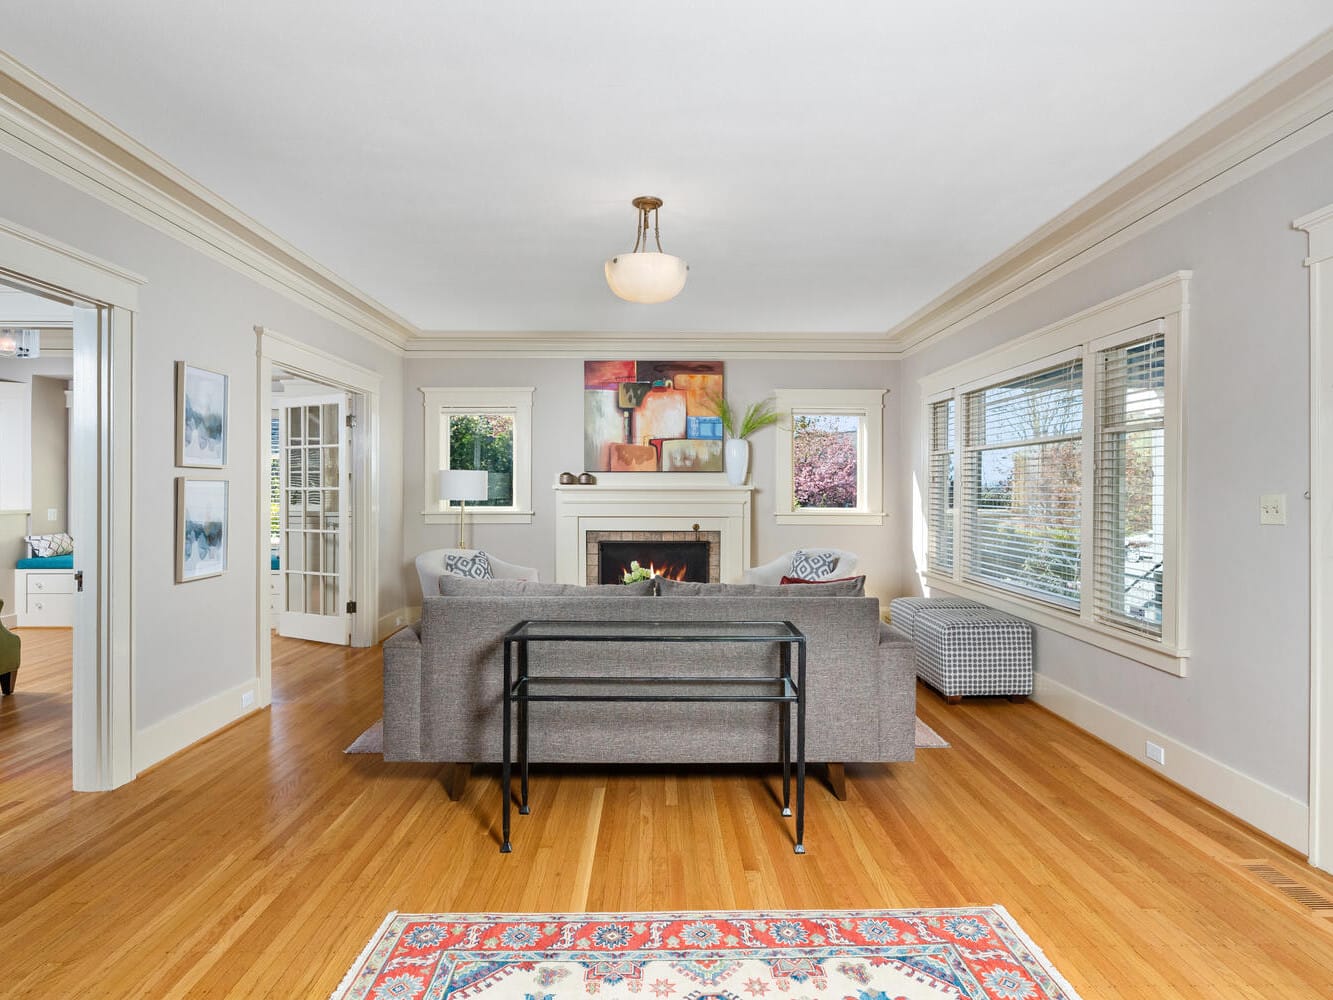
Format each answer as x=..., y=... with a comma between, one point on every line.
x=45, y=598
x=15, y=447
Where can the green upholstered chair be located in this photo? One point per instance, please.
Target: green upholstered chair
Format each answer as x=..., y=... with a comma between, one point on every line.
x=10, y=646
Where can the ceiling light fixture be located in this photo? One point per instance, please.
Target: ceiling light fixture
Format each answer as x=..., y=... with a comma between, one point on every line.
x=644, y=275
x=16, y=343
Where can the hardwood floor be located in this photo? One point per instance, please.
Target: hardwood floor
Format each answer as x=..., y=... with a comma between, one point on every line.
x=259, y=862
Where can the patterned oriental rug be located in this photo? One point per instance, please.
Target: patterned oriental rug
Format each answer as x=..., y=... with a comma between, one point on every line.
x=977, y=954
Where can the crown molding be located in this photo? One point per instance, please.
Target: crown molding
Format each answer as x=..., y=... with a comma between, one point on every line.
x=722, y=346
x=47, y=128
x=1280, y=113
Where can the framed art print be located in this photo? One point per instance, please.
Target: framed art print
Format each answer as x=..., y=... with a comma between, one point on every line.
x=201, y=417
x=201, y=528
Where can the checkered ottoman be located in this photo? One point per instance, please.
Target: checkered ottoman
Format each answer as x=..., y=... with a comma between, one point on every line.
x=973, y=651
x=903, y=610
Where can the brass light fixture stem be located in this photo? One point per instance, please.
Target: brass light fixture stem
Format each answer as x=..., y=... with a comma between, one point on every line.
x=646, y=204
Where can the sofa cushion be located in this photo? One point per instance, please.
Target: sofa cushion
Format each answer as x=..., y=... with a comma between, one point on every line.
x=851, y=587
x=472, y=565
x=813, y=564
x=458, y=586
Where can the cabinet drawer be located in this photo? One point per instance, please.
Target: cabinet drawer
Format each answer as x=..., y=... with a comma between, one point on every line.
x=49, y=609
x=50, y=583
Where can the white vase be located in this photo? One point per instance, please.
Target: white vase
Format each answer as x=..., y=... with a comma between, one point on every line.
x=736, y=460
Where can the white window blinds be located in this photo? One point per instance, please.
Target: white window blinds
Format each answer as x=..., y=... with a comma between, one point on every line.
x=1129, y=499
x=940, y=555
x=1022, y=467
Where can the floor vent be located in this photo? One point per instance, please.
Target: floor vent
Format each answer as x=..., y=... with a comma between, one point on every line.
x=1311, y=899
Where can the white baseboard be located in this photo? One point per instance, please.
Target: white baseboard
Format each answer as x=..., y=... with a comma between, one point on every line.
x=1275, y=813
x=162, y=739
x=393, y=621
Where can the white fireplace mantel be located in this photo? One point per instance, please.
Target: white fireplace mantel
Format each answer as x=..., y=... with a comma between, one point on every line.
x=652, y=503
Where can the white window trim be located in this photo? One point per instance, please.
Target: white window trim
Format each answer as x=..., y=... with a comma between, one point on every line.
x=436, y=402
x=865, y=403
x=1098, y=328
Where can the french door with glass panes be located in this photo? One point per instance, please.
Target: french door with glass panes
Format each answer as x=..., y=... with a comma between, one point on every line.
x=316, y=519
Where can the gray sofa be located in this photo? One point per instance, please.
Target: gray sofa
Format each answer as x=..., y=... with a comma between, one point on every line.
x=443, y=677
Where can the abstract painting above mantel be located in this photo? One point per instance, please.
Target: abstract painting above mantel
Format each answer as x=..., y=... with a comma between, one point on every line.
x=652, y=416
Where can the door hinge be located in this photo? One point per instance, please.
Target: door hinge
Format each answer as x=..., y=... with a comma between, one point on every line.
x=351, y=607
x=351, y=420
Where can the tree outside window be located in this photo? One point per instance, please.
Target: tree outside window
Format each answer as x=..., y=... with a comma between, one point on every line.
x=485, y=441
x=824, y=461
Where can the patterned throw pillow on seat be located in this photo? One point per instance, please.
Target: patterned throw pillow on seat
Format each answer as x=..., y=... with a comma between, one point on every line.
x=59, y=544
x=473, y=565
x=814, y=565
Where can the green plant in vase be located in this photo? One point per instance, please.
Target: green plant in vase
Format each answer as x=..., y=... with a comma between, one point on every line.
x=635, y=573
x=737, y=425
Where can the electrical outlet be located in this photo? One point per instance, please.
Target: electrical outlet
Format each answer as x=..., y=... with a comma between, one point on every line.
x=1273, y=508
x=247, y=699
x=398, y=619
x=1155, y=753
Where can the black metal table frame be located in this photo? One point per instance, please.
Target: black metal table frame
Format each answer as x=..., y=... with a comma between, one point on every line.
x=517, y=693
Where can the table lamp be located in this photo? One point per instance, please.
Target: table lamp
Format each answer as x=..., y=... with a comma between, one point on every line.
x=461, y=485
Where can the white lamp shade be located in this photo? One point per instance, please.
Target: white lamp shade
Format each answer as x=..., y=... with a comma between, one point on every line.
x=647, y=276
x=461, y=484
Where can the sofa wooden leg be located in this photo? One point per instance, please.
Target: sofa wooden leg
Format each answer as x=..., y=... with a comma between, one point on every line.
x=837, y=781
x=954, y=699
x=455, y=780
x=1018, y=699
x=7, y=681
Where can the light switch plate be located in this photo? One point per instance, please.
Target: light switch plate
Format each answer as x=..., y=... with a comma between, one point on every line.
x=52, y=513
x=1273, y=508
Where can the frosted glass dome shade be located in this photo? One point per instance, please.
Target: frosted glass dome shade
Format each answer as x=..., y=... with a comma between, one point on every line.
x=647, y=276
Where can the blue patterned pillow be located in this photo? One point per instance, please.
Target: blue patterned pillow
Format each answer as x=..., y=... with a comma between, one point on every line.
x=813, y=565
x=473, y=565
x=42, y=546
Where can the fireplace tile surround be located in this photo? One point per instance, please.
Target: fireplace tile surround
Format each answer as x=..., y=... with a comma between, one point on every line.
x=650, y=507
x=594, y=539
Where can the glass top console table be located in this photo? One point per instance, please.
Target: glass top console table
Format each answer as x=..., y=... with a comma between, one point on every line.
x=523, y=685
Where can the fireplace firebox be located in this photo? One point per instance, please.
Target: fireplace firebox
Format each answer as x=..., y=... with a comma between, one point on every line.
x=672, y=559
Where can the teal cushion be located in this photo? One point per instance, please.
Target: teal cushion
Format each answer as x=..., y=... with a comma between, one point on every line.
x=47, y=562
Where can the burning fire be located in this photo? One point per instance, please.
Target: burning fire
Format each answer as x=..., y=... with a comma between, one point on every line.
x=635, y=572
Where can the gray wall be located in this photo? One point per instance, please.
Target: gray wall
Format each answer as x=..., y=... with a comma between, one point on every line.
x=1246, y=699
x=198, y=639
x=558, y=447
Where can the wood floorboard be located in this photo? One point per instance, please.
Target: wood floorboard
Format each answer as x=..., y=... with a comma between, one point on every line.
x=259, y=862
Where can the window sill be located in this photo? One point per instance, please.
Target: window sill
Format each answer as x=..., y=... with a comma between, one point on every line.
x=830, y=517
x=483, y=515
x=1145, y=651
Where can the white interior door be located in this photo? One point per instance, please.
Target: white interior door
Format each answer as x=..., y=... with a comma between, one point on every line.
x=314, y=554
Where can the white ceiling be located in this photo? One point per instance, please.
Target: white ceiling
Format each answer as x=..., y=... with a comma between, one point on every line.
x=825, y=167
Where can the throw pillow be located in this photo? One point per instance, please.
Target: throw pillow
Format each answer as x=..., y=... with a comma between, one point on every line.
x=843, y=586
x=59, y=544
x=813, y=565
x=473, y=565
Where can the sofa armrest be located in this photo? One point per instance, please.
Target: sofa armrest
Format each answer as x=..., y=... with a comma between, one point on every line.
x=402, y=695
x=897, y=694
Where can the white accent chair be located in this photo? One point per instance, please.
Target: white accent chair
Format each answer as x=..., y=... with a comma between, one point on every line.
x=770, y=574
x=430, y=567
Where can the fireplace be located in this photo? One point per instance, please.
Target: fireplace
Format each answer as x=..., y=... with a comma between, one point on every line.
x=679, y=555
x=673, y=560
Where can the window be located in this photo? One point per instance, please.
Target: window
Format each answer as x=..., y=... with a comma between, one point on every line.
x=1053, y=476
x=830, y=456
x=1022, y=473
x=1130, y=495
x=942, y=512
x=480, y=429
x=275, y=483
